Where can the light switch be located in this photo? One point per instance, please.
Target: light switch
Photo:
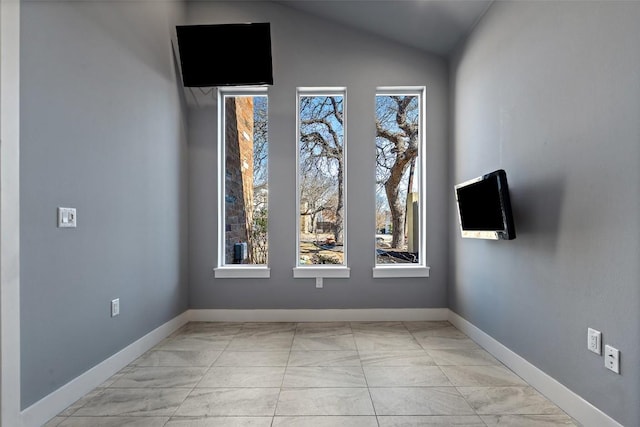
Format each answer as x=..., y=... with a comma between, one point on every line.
x=67, y=217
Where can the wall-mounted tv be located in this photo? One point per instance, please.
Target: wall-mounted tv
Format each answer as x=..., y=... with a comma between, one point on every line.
x=484, y=207
x=225, y=54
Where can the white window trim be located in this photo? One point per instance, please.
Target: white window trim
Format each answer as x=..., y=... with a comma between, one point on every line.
x=420, y=269
x=242, y=271
x=395, y=271
x=236, y=271
x=321, y=270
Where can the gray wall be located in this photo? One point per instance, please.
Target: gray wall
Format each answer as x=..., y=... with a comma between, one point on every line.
x=312, y=52
x=103, y=130
x=550, y=91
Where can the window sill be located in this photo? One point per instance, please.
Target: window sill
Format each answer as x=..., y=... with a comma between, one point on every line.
x=242, y=272
x=400, y=271
x=340, y=272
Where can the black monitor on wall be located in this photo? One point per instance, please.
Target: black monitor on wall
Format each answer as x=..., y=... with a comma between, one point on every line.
x=484, y=207
x=225, y=54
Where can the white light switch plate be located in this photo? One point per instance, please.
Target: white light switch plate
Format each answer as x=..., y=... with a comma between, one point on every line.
x=67, y=218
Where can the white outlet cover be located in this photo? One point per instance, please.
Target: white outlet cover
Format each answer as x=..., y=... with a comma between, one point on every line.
x=612, y=358
x=115, y=307
x=594, y=340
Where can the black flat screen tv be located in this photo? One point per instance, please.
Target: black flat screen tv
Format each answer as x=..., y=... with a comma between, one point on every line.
x=225, y=54
x=484, y=207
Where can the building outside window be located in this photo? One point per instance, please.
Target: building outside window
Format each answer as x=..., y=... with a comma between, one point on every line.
x=243, y=188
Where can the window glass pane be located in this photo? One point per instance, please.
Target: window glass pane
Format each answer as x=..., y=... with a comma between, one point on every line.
x=321, y=179
x=245, y=179
x=398, y=179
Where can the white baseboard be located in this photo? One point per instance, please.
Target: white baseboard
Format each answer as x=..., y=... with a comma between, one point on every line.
x=574, y=405
x=319, y=315
x=52, y=404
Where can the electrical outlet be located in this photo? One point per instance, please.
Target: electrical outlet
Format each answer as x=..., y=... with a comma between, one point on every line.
x=115, y=307
x=612, y=359
x=594, y=338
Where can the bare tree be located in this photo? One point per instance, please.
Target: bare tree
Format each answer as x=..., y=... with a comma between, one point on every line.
x=322, y=148
x=397, y=142
x=258, y=240
x=315, y=196
x=260, y=141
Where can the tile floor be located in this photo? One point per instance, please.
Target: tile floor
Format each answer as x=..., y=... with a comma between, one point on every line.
x=360, y=374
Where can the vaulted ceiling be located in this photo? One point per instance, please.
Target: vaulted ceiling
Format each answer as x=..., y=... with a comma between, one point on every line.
x=435, y=26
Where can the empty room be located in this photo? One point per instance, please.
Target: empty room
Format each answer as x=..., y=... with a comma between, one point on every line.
x=319, y=213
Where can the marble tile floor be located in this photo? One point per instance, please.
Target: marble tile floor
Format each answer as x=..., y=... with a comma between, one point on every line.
x=333, y=374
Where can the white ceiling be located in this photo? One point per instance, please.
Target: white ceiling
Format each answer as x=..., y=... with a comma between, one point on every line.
x=435, y=26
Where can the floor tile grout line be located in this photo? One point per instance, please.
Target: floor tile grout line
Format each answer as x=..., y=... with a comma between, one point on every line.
x=195, y=386
x=373, y=406
x=284, y=375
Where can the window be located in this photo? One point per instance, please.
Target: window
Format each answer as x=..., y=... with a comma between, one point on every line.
x=321, y=183
x=400, y=183
x=243, y=183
